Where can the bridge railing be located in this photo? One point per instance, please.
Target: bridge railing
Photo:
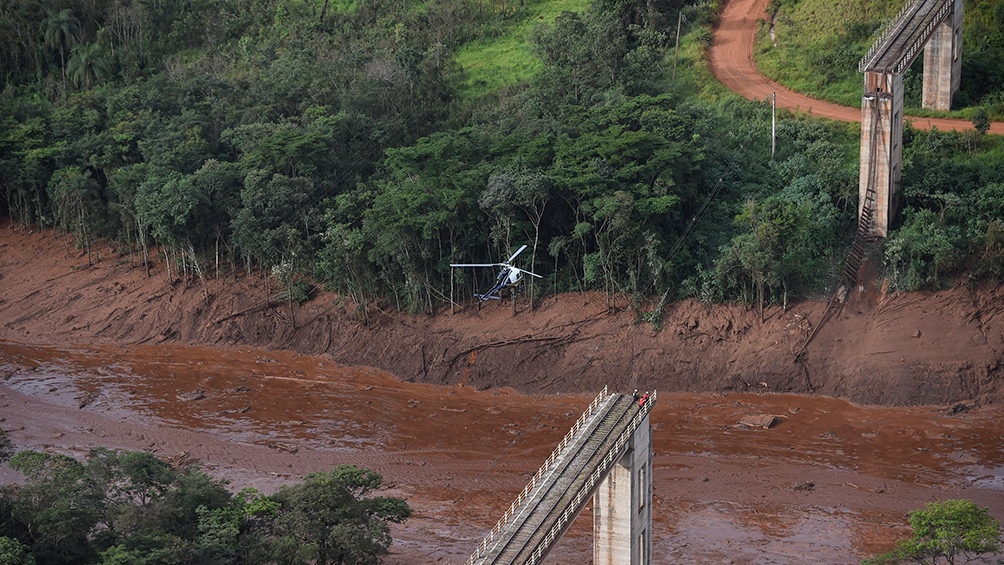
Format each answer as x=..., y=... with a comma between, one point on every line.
x=594, y=478
x=894, y=26
x=487, y=541
x=943, y=11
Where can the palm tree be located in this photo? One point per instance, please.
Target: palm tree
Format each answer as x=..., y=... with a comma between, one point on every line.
x=88, y=65
x=60, y=33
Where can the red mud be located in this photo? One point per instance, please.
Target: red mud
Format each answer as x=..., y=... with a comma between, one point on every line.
x=102, y=355
x=829, y=483
x=925, y=348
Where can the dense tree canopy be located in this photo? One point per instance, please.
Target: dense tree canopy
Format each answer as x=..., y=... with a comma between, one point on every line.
x=122, y=507
x=334, y=140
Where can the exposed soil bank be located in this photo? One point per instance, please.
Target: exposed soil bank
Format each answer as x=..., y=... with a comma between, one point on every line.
x=923, y=348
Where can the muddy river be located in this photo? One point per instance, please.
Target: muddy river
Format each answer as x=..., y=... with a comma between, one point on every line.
x=830, y=482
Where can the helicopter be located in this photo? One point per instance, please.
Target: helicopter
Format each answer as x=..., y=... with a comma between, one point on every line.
x=509, y=277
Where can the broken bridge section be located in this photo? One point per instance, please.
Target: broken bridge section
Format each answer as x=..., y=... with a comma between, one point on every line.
x=934, y=26
x=607, y=455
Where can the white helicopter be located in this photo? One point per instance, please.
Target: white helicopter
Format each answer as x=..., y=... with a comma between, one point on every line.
x=508, y=277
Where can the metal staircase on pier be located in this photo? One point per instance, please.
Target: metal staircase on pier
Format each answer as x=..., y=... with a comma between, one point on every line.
x=564, y=484
x=849, y=276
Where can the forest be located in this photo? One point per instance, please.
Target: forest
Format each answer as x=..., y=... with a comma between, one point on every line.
x=129, y=507
x=361, y=146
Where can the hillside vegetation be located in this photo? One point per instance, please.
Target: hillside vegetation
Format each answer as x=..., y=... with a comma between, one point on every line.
x=817, y=44
x=366, y=145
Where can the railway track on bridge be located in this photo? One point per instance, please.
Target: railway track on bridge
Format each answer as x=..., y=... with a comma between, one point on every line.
x=561, y=492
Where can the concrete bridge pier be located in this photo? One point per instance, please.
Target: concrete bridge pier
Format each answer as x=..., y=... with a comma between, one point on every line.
x=943, y=61
x=881, y=148
x=622, y=506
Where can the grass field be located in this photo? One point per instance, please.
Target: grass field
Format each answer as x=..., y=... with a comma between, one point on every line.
x=492, y=64
x=818, y=44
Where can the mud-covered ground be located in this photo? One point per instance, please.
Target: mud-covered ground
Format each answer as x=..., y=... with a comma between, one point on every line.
x=457, y=410
x=923, y=348
x=831, y=482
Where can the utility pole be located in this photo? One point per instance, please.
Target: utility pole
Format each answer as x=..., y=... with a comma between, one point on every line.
x=773, y=122
x=679, y=20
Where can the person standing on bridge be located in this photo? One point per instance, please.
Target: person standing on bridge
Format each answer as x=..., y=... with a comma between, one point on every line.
x=643, y=399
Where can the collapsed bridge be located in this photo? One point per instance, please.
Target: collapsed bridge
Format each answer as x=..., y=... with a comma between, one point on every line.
x=606, y=456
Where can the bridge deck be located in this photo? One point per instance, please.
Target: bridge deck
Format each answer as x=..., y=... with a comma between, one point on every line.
x=565, y=488
x=899, y=45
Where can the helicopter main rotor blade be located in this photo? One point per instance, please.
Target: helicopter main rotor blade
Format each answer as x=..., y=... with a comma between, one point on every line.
x=520, y=250
x=528, y=272
x=473, y=264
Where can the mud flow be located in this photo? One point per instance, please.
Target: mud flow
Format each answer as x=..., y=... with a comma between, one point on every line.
x=826, y=482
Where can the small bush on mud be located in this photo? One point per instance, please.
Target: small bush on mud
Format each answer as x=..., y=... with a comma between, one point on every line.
x=943, y=531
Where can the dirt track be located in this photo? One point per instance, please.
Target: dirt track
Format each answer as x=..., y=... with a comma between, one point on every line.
x=731, y=61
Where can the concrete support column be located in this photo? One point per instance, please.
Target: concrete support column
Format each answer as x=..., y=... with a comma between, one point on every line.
x=622, y=506
x=943, y=62
x=881, y=147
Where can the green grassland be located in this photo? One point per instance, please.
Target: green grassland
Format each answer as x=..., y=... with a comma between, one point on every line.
x=817, y=45
x=491, y=64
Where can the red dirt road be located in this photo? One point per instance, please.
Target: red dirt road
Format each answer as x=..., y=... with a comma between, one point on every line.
x=731, y=61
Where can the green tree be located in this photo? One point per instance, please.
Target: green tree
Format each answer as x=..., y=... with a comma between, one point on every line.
x=274, y=221
x=61, y=32
x=193, y=489
x=169, y=203
x=944, y=531
x=922, y=251
x=57, y=506
x=239, y=532
x=132, y=482
x=88, y=65
x=152, y=512
x=981, y=121
x=73, y=194
x=13, y=552
x=774, y=257
x=332, y=520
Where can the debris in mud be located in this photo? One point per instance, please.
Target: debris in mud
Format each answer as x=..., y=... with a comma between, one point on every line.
x=237, y=411
x=804, y=485
x=959, y=407
x=197, y=394
x=283, y=447
x=764, y=421
x=179, y=460
x=85, y=400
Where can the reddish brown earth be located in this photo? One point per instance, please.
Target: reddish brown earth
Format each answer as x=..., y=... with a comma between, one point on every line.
x=458, y=410
x=731, y=61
